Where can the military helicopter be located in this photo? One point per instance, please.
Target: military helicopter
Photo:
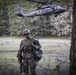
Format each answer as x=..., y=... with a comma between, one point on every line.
x=46, y=9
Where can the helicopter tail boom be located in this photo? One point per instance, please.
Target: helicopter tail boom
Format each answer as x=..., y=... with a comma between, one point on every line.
x=20, y=13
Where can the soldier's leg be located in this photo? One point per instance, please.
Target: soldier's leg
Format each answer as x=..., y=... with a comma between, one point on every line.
x=33, y=71
x=21, y=67
x=33, y=64
x=25, y=67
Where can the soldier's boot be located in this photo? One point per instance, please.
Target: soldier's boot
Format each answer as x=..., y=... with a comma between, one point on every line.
x=23, y=73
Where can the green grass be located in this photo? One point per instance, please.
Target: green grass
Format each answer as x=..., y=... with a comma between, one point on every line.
x=9, y=64
x=8, y=55
x=9, y=60
x=48, y=44
x=9, y=43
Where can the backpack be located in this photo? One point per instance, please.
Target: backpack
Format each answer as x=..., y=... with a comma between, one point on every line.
x=37, y=54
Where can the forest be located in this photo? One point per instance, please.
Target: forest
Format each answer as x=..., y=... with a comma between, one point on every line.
x=43, y=26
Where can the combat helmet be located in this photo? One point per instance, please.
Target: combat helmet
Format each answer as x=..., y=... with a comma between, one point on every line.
x=26, y=31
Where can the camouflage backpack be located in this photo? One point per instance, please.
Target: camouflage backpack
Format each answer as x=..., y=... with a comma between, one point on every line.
x=37, y=54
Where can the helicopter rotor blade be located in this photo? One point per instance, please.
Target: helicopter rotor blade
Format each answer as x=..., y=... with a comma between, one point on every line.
x=43, y=2
x=38, y=1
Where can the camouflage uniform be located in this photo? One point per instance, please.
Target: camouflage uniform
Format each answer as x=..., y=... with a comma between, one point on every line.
x=26, y=48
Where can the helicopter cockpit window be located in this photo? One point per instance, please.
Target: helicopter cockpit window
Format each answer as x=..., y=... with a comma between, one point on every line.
x=58, y=7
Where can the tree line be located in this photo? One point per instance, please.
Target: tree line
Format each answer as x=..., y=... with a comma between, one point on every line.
x=39, y=26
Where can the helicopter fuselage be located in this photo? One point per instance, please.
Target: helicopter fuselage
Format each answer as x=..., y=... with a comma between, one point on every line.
x=39, y=12
x=45, y=10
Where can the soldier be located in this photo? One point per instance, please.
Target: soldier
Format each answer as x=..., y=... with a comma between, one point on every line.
x=25, y=54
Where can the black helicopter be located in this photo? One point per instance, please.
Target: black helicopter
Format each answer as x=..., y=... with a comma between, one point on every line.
x=46, y=9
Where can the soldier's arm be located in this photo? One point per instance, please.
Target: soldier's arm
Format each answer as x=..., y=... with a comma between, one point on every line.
x=37, y=44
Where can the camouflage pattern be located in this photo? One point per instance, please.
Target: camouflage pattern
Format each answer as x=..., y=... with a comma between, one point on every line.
x=27, y=46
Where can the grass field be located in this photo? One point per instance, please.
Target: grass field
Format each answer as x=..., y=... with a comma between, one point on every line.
x=48, y=44
x=55, y=60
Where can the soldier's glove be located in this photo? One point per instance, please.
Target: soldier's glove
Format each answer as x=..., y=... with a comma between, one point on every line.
x=19, y=56
x=35, y=46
